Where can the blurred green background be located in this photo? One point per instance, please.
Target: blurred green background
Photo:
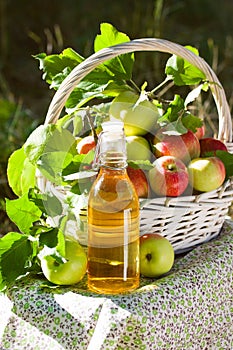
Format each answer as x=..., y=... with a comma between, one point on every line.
x=30, y=27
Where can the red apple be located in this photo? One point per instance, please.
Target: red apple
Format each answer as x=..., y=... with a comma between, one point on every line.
x=209, y=146
x=206, y=174
x=185, y=147
x=169, y=176
x=86, y=144
x=139, y=180
x=200, y=132
x=156, y=255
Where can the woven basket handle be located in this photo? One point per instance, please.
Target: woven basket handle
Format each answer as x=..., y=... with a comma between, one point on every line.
x=147, y=44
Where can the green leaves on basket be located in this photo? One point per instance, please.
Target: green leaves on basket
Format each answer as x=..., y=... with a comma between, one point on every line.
x=20, y=172
x=177, y=119
x=51, y=149
x=57, y=67
x=48, y=139
x=182, y=72
x=115, y=76
x=23, y=212
x=121, y=66
x=107, y=80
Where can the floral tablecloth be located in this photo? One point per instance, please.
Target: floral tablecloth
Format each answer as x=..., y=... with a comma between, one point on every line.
x=191, y=308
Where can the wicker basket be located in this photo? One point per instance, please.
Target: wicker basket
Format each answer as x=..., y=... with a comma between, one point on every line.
x=188, y=220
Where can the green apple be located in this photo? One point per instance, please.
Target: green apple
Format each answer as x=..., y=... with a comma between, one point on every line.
x=206, y=174
x=69, y=272
x=139, y=117
x=156, y=255
x=138, y=148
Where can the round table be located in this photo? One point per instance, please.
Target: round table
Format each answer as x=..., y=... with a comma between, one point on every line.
x=190, y=308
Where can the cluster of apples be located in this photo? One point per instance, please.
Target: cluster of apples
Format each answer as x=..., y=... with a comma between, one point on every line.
x=184, y=163
x=181, y=163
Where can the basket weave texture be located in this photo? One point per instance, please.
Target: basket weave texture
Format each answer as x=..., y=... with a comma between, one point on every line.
x=187, y=220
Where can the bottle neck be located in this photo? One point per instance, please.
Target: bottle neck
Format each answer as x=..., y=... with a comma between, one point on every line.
x=113, y=160
x=111, y=147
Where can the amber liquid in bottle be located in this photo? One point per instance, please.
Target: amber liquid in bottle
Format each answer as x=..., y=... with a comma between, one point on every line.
x=113, y=218
x=113, y=236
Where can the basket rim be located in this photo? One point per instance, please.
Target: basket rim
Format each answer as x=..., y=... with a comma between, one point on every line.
x=144, y=44
x=224, y=193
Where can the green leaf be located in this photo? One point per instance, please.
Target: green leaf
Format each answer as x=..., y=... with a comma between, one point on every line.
x=53, y=238
x=85, y=92
x=53, y=243
x=182, y=72
x=122, y=65
x=114, y=88
x=57, y=67
x=22, y=212
x=79, y=163
x=49, y=204
x=176, y=128
x=20, y=172
x=177, y=120
x=37, y=141
x=38, y=198
x=109, y=36
x=142, y=164
x=16, y=254
x=191, y=122
x=195, y=93
x=52, y=164
x=51, y=148
x=174, y=110
x=101, y=81
x=227, y=159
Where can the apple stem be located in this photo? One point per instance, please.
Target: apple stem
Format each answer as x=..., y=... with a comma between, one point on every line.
x=148, y=256
x=91, y=125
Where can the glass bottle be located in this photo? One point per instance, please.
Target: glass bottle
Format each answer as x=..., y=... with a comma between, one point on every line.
x=113, y=218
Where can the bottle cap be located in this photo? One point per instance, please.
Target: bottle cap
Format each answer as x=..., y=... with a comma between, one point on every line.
x=115, y=126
